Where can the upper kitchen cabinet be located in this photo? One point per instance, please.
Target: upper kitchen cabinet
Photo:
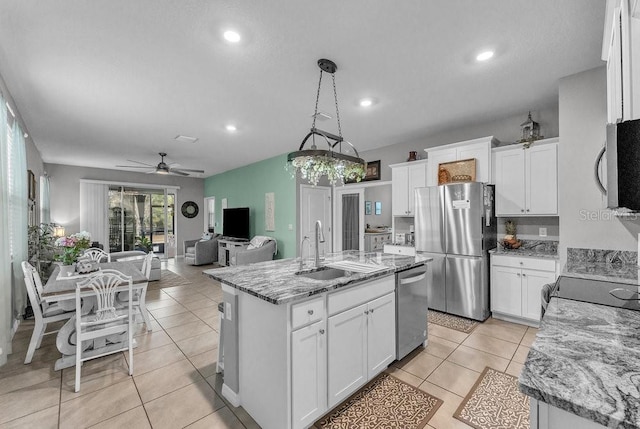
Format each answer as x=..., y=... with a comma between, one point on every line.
x=405, y=178
x=480, y=149
x=527, y=179
x=621, y=51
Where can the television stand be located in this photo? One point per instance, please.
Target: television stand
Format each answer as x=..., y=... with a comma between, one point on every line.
x=226, y=245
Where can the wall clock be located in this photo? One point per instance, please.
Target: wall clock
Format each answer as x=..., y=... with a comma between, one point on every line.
x=189, y=209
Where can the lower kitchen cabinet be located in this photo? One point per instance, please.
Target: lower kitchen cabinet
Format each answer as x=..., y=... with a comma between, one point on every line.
x=516, y=285
x=545, y=416
x=361, y=344
x=308, y=373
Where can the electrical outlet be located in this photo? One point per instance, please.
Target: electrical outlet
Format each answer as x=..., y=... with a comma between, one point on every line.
x=542, y=232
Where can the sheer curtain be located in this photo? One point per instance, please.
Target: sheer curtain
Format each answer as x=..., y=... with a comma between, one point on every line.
x=350, y=222
x=18, y=222
x=6, y=318
x=45, y=203
x=94, y=211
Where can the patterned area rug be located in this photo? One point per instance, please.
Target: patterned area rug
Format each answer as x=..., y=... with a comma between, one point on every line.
x=386, y=402
x=454, y=322
x=495, y=402
x=169, y=279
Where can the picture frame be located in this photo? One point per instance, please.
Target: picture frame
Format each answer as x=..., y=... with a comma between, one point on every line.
x=31, y=180
x=367, y=207
x=378, y=207
x=373, y=171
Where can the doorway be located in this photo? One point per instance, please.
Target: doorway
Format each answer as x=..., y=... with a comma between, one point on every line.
x=349, y=216
x=315, y=204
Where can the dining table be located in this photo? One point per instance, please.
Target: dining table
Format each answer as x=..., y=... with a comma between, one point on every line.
x=62, y=289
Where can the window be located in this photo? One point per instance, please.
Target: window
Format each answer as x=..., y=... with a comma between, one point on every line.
x=210, y=218
x=11, y=179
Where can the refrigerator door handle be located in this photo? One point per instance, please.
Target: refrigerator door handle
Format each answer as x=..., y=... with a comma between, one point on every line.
x=413, y=279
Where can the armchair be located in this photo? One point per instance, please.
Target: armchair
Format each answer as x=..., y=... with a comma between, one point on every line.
x=243, y=256
x=201, y=252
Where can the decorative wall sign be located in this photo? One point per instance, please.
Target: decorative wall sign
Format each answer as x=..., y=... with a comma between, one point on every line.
x=373, y=170
x=189, y=209
x=269, y=211
x=367, y=207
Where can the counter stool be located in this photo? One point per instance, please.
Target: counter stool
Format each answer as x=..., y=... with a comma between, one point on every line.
x=220, y=363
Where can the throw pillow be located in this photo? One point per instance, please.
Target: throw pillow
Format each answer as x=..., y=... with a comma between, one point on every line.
x=206, y=236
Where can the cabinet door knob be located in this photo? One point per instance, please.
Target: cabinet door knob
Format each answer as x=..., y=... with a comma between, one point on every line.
x=310, y=312
x=321, y=331
x=366, y=312
x=518, y=274
x=524, y=275
x=522, y=210
x=527, y=209
x=371, y=310
x=520, y=262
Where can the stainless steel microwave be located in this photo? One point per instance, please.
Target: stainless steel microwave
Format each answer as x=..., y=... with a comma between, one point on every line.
x=623, y=165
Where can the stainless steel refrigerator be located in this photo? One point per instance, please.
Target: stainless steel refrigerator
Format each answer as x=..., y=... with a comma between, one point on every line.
x=455, y=224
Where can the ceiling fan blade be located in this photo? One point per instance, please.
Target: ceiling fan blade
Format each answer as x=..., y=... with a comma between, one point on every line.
x=192, y=171
x=138, y=162
x=134, y=166
x=178, y=172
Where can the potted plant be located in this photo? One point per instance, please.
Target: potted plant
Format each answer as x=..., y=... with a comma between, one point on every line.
x=144, y=243
x=71, y=246
x=41, y=248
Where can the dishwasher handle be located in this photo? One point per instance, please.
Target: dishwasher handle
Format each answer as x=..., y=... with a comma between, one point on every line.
x=413, y=279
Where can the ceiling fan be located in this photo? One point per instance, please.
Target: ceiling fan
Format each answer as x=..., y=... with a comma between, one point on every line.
x=162, y=167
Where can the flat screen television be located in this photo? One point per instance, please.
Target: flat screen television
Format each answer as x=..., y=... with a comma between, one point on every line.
x=235, y=222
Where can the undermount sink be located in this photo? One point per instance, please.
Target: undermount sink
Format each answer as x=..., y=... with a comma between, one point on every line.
x=324, y=273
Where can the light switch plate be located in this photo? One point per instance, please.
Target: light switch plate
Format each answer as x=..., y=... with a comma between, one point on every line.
x=542, y=232
x=290, y=227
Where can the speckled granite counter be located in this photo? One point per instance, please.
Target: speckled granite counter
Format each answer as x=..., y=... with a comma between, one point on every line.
x=530, y=249
x=277, y=281
x=586, y=360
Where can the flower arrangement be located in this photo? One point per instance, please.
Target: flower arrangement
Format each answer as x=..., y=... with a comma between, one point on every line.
x=312, y=168
x=72, y=247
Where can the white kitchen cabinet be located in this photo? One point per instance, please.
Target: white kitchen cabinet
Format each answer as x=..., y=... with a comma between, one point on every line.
x=405, y=178
x=480, y=149
x=527, y=179
x=308, y=373
x=516, y=285
x=622, y=29
x=545, y=416
x=374, y=241
x=361, y=345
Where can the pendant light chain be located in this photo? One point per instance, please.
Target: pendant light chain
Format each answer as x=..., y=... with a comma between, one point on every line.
x=335, y=97
x=315, y=113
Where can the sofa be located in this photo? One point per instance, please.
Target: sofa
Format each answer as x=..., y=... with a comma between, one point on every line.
x=250, y=255
x=137, y=257
x=201, y=252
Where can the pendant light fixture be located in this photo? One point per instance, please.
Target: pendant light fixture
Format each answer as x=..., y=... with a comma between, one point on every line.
x=314, y=163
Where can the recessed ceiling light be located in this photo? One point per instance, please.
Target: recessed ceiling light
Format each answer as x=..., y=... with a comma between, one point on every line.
x=366, y=102
x=484, y=56
x=231, y=36
x=231, y=128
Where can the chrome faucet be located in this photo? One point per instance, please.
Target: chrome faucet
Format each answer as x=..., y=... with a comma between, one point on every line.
x=319, y=239
x=302, y=252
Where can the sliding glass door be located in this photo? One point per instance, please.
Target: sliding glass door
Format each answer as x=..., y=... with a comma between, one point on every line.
x=142, y=219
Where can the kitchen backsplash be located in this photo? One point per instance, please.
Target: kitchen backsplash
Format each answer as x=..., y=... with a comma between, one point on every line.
x=540, y=246
x=577, y=256
x=529, y=227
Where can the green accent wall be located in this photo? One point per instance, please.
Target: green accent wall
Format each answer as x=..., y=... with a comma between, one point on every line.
x=246, y=187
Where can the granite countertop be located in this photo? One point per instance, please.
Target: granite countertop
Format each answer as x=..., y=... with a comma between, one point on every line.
x=277, y=281
x=530, y=249
x=586, y=360
x=608, y=265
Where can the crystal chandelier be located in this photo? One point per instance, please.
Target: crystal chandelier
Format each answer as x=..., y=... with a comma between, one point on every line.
x=314, y=163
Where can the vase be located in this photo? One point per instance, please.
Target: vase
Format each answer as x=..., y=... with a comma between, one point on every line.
x=67, y=270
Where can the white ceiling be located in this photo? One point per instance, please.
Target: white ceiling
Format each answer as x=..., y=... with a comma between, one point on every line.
x=99, y=82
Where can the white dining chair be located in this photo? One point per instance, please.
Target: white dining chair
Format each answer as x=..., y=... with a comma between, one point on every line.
x=106, y=320
x=139, y=296
x=96, y=254
x=44, y=313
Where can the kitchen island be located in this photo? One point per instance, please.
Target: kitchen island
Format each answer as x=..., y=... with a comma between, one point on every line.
x=296, y=346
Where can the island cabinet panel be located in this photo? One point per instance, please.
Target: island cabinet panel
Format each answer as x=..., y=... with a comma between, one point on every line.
x=381, y=334
x=545, y=416
x=347, y=362
x=308, y=373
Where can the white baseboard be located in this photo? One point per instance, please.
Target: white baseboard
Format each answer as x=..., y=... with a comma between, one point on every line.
x=231, y=396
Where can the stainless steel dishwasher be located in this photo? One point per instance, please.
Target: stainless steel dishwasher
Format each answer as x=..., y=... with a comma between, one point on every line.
x=411, y=309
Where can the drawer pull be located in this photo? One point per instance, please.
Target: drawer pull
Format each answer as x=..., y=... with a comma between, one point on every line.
x=310, y=312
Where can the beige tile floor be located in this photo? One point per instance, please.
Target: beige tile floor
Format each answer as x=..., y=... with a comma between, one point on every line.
x=175, y=384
